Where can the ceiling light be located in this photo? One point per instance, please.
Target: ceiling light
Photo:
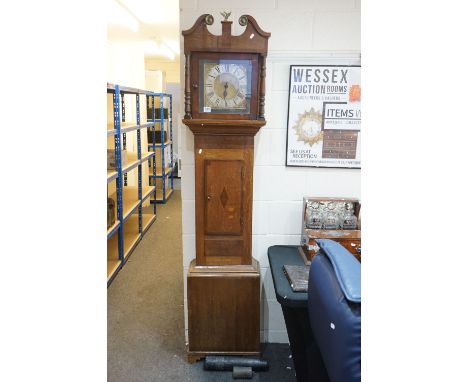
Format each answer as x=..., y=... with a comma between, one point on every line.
x=118, y=15
x=152, y=48
x=173, y=45
x=166, y=51
x=154, y=12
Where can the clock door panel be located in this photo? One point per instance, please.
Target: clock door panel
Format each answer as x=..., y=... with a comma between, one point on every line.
x=223, y=190
x=223, y=200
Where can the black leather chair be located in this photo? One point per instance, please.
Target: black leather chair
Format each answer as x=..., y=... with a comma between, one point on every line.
x=334, y=305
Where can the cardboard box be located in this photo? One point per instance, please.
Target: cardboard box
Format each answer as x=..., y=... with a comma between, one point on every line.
x=111, y=165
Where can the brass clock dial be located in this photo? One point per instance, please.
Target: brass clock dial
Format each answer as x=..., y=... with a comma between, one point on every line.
x=226, y=86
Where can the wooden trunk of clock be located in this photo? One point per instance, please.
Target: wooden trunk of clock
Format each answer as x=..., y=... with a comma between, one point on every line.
x=223, y=195
x=224, y=109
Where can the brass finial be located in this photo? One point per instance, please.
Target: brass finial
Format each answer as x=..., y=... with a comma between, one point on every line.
x=225, y=15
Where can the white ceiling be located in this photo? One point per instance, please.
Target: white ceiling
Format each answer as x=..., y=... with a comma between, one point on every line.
x=144, y=21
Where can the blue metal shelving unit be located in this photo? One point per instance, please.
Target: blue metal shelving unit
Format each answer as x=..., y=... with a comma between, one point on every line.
x=128, y=233
x=160, y=170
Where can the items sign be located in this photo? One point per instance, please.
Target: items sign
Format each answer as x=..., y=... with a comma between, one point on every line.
x=324, y=116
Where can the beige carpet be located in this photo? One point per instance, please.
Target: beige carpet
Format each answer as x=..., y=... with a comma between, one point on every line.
x=145, y=314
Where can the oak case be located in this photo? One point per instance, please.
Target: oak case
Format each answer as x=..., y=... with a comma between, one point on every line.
x=223, y=282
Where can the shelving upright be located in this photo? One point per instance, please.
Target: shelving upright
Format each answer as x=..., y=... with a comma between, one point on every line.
x=130, y=226
x=163, y=175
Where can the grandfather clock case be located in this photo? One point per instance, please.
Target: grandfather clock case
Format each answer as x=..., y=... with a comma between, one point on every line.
x=224, y=109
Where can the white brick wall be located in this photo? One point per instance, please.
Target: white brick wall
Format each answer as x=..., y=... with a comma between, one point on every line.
x=303, y=32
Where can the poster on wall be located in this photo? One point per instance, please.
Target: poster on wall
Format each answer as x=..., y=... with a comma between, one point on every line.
x=324, y=116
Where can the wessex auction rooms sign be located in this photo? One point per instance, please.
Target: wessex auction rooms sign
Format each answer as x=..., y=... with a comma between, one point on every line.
x=324, y=116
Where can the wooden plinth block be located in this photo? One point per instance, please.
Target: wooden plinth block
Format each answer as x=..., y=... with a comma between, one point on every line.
x=223, y=311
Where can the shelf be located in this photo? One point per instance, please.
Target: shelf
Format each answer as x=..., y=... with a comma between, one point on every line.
x=146, y=191
x=146, y=156
x=126, y=127
x=110, y=129
x=147, y=220
x=132, y=162
x=131, y=237
x=113, y=229
x=151, y=146
x=111, y=175
x=129, y=200
x=159, y=195
x=113, y=261
x=131, y=126
x=112, y=266
x=130, y=241
x=159, y=172
x=158, y=120
x=128, y=90
x=131, y=234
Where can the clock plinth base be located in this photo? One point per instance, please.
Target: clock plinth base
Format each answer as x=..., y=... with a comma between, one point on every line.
x=193, y=357
x=249, y=268
x=223, y=310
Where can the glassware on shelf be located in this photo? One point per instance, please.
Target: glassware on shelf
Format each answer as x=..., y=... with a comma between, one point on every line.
x=314, y=218
x=331, y=220
x=349, y=219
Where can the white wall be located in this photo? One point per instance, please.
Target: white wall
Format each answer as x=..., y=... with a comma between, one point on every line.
x=170, y=68
x=302, y=32
x=126, y=67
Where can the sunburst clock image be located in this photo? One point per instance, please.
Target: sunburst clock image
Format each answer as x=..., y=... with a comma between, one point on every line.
x=309, y=127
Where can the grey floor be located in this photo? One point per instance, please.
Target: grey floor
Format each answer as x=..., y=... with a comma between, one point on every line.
x=145, y=314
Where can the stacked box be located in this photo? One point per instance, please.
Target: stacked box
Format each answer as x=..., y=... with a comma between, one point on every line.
x=111, y=165
x=110, y=212
x=157, y=113
x=157, y=136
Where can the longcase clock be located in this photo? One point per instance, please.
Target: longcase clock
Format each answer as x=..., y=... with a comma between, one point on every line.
x=224, y=108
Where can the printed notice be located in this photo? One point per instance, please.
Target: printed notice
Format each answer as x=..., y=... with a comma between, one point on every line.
x=324, y=120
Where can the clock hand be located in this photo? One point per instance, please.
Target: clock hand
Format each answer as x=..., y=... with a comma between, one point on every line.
x=225, y=89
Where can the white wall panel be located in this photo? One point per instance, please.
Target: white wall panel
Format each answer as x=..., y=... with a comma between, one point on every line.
x=285, y=218
x=260, y=217
x=229, y=4
x=188, y=243
x=334, y=4
x=262, y=147
x=326, y=35
x=268, y=289
x=272, y=315
x=296, y=5
x=188, y=182
x=277, y=151
x=188, y=216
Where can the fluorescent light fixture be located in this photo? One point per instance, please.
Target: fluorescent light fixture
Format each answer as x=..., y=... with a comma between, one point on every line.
x=166, y=51
x=118, y=15
x=154, y=12
x=173, y=45
x=152, y=48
